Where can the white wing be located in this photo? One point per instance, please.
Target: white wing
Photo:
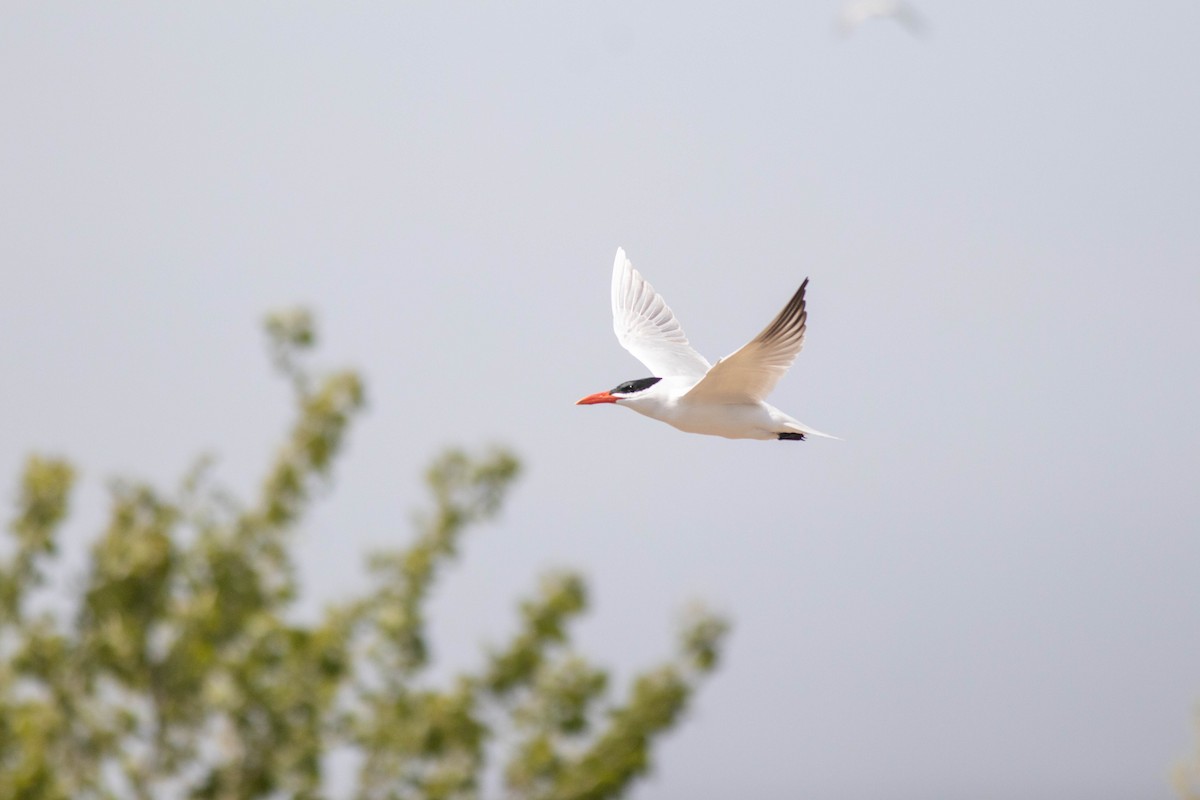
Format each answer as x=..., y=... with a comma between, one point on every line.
x=646, y=327
x=749, y=374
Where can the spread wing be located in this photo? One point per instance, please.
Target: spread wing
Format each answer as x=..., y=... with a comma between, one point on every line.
x=749, y=374
x=646, y=327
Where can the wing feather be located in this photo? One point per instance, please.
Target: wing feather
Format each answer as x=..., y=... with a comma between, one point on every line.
x=646, y=327
x=750, y=373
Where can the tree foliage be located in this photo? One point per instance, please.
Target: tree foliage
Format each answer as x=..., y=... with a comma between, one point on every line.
x=183, y=672
x=1185, y=773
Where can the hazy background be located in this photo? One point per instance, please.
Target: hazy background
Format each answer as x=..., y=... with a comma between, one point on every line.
x=989, y=589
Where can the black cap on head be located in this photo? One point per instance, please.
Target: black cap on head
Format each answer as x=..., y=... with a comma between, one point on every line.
x=633, y=387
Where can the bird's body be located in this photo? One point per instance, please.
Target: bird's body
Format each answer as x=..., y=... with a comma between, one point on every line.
x=757, y=420
x=726, y=399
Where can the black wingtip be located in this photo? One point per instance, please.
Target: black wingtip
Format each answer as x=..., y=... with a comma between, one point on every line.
x=799, y=437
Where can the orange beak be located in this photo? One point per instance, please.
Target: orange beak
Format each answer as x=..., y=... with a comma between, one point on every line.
x=599, y=397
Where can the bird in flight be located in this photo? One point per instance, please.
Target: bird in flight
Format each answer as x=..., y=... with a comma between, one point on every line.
x=685, y=391
x=855, y=12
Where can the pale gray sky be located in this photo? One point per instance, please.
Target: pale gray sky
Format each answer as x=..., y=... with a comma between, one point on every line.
x=988, y=590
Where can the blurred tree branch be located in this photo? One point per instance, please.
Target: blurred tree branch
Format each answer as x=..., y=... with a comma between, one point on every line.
x=182, y=672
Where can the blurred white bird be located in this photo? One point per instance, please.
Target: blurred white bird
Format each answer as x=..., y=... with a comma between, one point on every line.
x=724, y=399
x=856, y=12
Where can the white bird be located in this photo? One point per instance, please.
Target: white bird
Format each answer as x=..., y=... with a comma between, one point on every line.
x=723, y=399
x=856, y=12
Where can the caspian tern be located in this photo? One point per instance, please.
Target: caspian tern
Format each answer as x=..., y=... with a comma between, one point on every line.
x=723, y=399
